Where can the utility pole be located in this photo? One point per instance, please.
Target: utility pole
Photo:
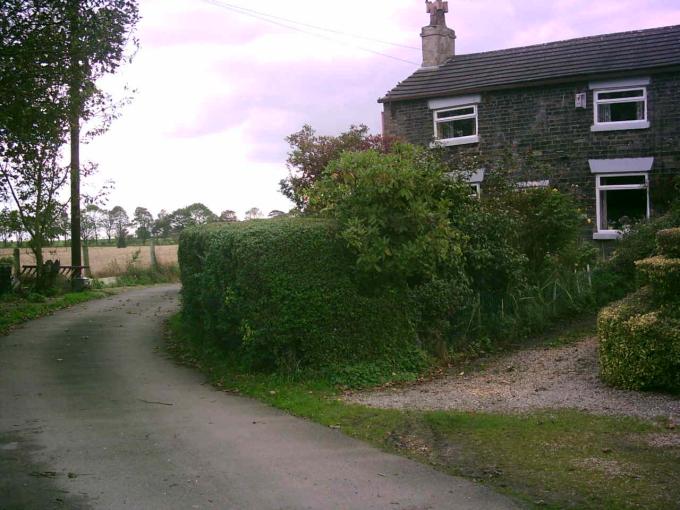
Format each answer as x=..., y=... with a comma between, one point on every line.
x=74, y=125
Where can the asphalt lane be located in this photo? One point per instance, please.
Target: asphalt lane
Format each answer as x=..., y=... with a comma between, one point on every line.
x=94, y=416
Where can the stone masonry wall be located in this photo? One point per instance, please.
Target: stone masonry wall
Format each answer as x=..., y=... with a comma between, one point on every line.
x=544, y=120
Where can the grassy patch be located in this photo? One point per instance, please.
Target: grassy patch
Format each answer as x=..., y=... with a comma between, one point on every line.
x=16, y=310
x=556, y=460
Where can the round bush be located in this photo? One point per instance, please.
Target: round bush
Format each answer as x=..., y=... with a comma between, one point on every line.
x=668, y=242
x=640, y=344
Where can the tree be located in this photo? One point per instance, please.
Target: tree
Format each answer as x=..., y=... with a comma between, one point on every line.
x=51, y=56
x=161, y=227
x=253, y=213
x=97, y=35
x=34, y=181
x=143, y=219
x=275, y=213
x=92, y=218
x=228, y=216
x=32, y=118
x=393, y=211
x=192, y=215
x=6, y=228
x=310, y=154
x=121, y=222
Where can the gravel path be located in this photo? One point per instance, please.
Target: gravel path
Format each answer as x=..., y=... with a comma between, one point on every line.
x=543, y=378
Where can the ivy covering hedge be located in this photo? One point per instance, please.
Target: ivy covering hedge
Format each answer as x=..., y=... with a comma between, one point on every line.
x=281, y=295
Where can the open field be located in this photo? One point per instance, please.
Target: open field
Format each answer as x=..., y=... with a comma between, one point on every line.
x=104, y=260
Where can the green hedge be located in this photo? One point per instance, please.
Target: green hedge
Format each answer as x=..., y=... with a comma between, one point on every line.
x=281, y=295
x=668, y=242
x=640, y=344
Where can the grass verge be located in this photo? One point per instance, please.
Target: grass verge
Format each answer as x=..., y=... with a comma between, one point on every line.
x=16, y=310
x=554, y=460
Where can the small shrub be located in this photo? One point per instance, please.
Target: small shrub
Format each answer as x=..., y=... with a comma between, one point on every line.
x=663, y=274
x=668, y=242
x=640, y=344
x=637, y=243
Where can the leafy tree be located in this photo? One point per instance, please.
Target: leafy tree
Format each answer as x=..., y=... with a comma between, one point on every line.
x=253, y=213
x=16, y=226
x=192, y=215
x=51, y=56
x=6, y=227
x=93, y=221
x=34, y=180
x=121, y=222
x=228, y=216
x=275, y=213
x=143, y=219
x=310, y=154
x=392, y=210
x=161, y=227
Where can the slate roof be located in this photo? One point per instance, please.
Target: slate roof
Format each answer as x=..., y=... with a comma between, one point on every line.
x=552, y=62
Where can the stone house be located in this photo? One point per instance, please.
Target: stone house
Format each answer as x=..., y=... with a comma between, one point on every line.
x=598, y=113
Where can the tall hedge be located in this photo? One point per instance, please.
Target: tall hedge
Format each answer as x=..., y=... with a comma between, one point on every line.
x=281, y=294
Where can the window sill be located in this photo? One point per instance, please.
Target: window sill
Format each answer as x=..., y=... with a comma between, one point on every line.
x=607, y=235
x=621, y=126
x=463, y=140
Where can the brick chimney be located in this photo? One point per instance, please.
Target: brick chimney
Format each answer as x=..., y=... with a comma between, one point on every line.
x=439, y=41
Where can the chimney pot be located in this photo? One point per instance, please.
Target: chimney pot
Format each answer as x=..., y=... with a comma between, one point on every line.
x=439, y=41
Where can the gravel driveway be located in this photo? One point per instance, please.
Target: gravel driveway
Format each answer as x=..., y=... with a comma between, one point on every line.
x=541, y=378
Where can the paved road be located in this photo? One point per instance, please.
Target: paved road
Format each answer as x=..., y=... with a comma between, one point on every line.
x=93, y=416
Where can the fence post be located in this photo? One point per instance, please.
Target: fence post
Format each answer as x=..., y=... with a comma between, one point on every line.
x=17, y=262
x=152, y=255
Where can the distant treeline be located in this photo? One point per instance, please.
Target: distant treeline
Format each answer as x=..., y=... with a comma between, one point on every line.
x=101, y=226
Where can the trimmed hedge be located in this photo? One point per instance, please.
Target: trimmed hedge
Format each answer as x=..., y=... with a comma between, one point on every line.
x=640, y=344
x=668, y=242
x=281, y=295
x=663, y=274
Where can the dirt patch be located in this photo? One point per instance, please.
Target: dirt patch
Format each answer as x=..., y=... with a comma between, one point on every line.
x=669, y=440
x=538, y=378
x=609, y=467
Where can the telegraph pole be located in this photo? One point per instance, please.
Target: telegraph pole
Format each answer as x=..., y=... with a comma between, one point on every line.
x=74, y=125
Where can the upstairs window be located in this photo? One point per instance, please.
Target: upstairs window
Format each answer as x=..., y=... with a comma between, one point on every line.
x=456, y=123
x=620, y=107
x=455, y=120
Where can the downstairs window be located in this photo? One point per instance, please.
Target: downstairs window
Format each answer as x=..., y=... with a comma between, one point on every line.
x=622, y=199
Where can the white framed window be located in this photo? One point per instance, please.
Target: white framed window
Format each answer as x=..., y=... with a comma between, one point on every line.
x=619, y=105
x=621, y=199
x=475, y=190
x=453, y=126
x=455, y=120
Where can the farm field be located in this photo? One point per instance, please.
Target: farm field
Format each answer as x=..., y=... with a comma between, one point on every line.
x=104, y=260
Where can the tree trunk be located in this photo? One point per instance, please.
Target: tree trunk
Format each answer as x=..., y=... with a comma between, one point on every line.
x=17, y=262
x=40, y=280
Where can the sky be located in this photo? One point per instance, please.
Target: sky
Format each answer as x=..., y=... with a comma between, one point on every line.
x=217, y=91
